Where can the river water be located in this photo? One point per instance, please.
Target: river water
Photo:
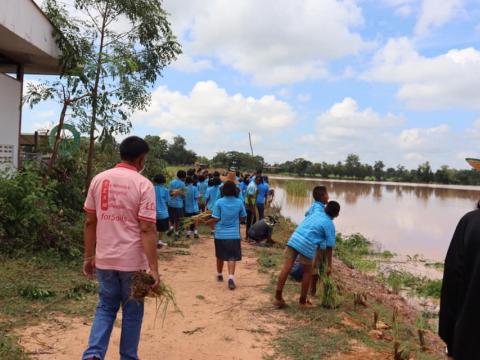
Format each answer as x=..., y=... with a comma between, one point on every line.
x=406, y=219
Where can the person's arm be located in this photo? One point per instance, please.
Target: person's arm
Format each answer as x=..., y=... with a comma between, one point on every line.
x=216, y=215
x=89, y=239
x=148, y=234
x=329, y=260
x=330, y=244
x=269, y=235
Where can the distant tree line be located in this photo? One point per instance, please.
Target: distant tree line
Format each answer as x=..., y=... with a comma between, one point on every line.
x=353, y=169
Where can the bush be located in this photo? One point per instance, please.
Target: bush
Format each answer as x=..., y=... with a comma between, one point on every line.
x=38, y=214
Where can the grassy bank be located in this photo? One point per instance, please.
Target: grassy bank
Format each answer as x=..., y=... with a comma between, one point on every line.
x=32, y=289
x=325, y=333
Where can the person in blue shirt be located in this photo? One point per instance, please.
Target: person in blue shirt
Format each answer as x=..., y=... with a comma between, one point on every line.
x=176, y=203
x=162, y=197
x=227, y=214
x=202, y=186
x=191, y=205
x=320, y=200
x=262, y=191
x=315, y=231
x=212, y=195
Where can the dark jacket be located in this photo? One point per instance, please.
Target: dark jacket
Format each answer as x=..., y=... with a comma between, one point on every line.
x=460, y=299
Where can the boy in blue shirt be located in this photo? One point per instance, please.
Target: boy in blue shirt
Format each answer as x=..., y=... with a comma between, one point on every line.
x=162, y=197
x=227, y=214
x=176, y=203
x=191, y=205
x=320, y=200
x=202, y=186
x=262, y=191
x=315, y=231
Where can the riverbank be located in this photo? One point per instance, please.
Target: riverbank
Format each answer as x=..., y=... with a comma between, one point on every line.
x=374, y=182
x=218, y=323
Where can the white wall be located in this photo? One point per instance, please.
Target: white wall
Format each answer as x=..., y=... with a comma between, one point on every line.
x=10, y=92
x=26, y=20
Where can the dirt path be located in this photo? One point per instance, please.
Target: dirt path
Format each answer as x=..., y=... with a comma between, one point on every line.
x=217, y=323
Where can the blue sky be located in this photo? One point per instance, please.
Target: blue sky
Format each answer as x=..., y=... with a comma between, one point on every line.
x=395, y=80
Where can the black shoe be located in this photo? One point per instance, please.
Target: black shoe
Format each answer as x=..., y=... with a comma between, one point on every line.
x=220, y=278
x=231, y=284
x=188, y=236
x=169, y=232
x=196, y=236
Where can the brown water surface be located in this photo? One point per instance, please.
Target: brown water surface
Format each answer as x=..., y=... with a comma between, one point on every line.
x=403, y=218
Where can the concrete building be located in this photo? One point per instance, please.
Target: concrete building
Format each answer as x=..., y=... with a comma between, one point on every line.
x=27, y=46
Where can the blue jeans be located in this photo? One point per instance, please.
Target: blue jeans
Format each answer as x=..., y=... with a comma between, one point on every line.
x=115, y=291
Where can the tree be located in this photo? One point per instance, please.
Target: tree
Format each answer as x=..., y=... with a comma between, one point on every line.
x=131, y=44
x=378, y=170
x=177, y=153
x=353, y=165
x=424, y=173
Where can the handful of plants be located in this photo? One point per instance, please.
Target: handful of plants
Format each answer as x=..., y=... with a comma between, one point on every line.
x=202, y=217
x=164, y=295
x=330, y=294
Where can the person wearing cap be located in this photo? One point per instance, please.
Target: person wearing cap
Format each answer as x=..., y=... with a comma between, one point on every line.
x=262, y=230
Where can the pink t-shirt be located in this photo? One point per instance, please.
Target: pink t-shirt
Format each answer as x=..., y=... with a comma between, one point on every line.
x=120, y=197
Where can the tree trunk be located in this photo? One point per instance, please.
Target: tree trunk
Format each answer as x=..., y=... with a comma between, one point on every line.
x=56, y=145
x=93, y=121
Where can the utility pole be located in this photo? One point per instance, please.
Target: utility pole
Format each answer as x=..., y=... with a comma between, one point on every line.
x=250, y=140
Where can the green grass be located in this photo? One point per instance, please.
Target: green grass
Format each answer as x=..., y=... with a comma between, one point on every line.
x=296, y=187
x=402, y=280
x=31, y=288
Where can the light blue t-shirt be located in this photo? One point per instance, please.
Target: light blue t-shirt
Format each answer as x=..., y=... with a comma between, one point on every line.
x=313, y=232
x=211, y=196
x=162, y=195
x=176, y=201
x=229, y=210
x=202, y=187
x=262, y=190
x=191, y=199
x=316, y=206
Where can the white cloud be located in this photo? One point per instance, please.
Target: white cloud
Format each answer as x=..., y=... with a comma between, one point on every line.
x=429, y=83
x=215, y=119
x=304, y=97
x=274, y=41
x=425, y=140
x=167, y=135
x=436, y=13
x=187, y=64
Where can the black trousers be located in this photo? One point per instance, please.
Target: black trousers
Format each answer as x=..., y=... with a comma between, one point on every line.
x=251, y=219
x=261, y=211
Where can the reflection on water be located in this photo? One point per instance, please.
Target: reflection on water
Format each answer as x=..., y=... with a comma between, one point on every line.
x=401, y=218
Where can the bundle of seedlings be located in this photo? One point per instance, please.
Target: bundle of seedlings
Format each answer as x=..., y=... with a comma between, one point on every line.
x=164, y=295
x=330, y=294
x=202, y=217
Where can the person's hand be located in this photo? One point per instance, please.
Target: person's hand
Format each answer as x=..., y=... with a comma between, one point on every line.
x=89, y=268
x=156, y=277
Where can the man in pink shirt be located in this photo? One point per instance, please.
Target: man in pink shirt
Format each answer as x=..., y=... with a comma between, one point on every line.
x=120, y=238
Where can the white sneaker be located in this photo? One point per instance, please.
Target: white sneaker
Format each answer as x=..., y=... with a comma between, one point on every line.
x=161, y=244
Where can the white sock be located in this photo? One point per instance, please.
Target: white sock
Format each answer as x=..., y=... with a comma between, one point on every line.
x=219, y=274
x=189, y=232
x=171, y=227
x=195, y=231
x=230, y=276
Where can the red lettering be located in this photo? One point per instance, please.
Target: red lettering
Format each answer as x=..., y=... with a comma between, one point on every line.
x=104, y=194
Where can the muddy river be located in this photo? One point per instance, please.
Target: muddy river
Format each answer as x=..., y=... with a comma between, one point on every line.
x=407, y=219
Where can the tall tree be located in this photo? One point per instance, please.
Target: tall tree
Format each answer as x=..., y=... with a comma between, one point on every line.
x=131, y=44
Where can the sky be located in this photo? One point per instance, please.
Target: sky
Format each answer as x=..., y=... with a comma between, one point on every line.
x=391, y=80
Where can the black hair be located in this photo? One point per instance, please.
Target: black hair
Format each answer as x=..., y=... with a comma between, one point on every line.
x=201, y=178
x=259, y=172
x=210, y=182
x=259, y=177
x=332, y=209
x=265, y=179
x=159, y=179
x=132, y=148
x=216, y=174
x=190, y=172
x=319, y=192
x=246, y=179
x=216, y=181
x=189, y=180
x=181, y=174
x=229, y=189
x=237, y=173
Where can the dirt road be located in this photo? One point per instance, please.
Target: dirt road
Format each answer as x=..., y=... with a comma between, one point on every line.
x=217, y=323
